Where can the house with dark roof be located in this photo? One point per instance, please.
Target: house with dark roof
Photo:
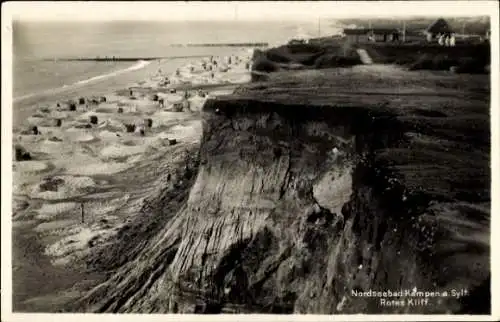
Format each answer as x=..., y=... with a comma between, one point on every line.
x=371, y=34
x=438, y=27
x=356, y=35
x=384, y=34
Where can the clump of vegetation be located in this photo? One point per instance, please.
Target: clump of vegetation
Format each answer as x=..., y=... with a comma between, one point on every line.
x=130, y=128
x=464, y=58
x=324, y=53
x=51, y=184
x=331, y=61
x=471, y=65
x=21, y=154
x=262, y=64
x=81, y=100
x=93, y=119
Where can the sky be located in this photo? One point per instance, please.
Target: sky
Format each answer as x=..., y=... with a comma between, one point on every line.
x=259, y=10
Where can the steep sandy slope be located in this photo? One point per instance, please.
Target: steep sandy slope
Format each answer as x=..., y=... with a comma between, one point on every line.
x=311, y=188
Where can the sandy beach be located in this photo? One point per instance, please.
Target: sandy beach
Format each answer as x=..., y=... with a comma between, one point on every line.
x=85, y=159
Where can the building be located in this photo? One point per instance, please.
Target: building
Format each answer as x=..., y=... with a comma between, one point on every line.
x=372, y=34
x=356, y=35
x=438, y=27
x=413, y=36
x=297, y=41
x=384, y=35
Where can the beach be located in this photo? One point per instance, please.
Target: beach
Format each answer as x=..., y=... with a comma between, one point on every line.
x=86, y=158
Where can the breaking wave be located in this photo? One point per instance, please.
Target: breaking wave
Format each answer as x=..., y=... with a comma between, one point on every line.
x=138, y=65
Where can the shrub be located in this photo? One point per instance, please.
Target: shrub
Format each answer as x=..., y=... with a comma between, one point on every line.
x=149, y=122
x=81, y=100
x=264, y=65
x=72, y=106
x=332, y=61
x=93, y=119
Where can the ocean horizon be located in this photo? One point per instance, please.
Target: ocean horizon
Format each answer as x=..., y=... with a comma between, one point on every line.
x=37, y=46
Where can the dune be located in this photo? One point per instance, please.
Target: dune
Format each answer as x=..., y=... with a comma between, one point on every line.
x=50, y=211
x=52, y=146
x=111, y=125
x=97, y=168
x=117, y=151
x=26, y=167
x=98, y=208
x=108, y=135
x=86, y=138
x=78, y=240
x=65, y=187
x=192, y=130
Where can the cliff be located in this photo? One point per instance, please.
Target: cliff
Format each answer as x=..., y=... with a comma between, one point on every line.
x=316, y=185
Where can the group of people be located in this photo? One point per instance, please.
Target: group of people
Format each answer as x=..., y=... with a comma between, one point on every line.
x=447, y=40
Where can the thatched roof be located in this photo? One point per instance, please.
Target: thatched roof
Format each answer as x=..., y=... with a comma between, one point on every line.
x=439, y=26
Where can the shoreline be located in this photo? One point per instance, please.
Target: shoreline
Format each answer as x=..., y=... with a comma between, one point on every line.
x=111, y=174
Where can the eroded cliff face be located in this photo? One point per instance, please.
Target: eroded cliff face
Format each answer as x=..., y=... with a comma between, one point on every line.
x=294, y=211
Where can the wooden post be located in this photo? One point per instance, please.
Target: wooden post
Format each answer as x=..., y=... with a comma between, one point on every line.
x=83, y=214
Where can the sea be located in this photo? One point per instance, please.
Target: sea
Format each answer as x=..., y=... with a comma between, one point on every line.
x=39, y=48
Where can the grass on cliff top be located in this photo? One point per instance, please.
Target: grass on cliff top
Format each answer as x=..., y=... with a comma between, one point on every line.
x=464, y=58
x=306, y=56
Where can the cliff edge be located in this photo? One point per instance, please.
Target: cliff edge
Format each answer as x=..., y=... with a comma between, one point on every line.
x=317, y=186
